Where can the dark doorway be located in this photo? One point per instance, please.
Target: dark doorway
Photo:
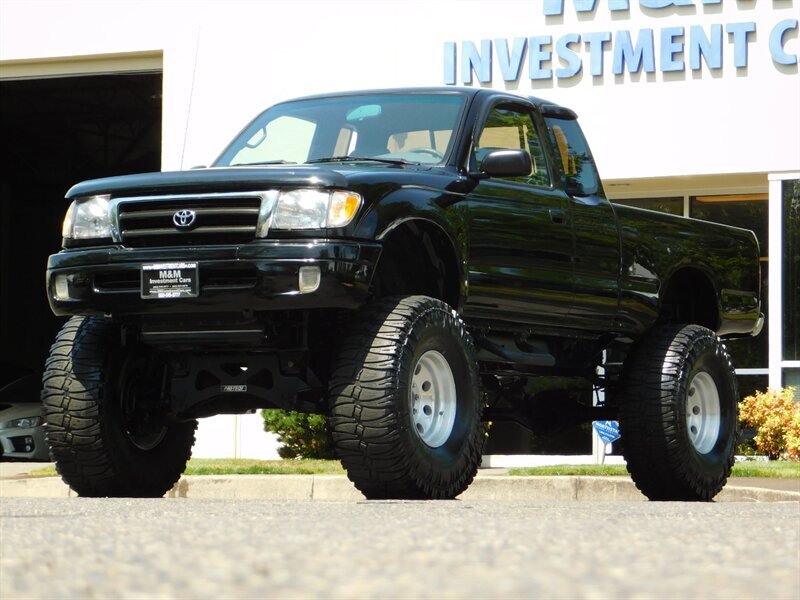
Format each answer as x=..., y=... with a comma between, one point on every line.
x=55, y=133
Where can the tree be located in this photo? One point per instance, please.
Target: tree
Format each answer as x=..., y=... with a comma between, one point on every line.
x=302, y=435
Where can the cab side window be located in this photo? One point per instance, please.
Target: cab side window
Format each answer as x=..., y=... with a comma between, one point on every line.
x=575, y=157
x=511, y=127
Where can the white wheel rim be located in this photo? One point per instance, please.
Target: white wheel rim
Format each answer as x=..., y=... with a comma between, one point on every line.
x=433, y=399
x=703, y=418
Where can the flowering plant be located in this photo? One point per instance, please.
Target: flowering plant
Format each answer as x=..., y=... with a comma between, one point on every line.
x=775, y=415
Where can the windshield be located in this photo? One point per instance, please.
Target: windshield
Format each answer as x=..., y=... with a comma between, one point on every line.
x=414, y=128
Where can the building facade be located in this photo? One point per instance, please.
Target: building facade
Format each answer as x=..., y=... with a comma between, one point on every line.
x=692, y=106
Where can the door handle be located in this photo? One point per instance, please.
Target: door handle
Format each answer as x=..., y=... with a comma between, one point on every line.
x=557, y=216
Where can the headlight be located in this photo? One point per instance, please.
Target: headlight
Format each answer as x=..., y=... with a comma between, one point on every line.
x=88, y=218
x=24, y=423
x=314, y=209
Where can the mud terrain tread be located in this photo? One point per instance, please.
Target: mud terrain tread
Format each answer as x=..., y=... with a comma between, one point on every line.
x=70, y=410
x=366, y=416
x=82, y=436
x=658, y=454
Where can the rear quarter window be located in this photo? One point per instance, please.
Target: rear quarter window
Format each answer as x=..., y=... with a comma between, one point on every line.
x=574, y=156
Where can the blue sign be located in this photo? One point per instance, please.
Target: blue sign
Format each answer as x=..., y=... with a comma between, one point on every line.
x=607, y=430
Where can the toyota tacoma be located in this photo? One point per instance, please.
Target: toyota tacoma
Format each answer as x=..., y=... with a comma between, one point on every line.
x=411, y=263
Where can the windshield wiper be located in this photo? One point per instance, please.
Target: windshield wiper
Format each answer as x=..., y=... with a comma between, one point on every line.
x=265, y=162
x=388, y=161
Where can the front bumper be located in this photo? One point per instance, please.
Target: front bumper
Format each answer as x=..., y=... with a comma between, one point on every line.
x=257, y=276
x=27, y=443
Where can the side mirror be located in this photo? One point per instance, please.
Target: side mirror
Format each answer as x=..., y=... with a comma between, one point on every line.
x=507, y=163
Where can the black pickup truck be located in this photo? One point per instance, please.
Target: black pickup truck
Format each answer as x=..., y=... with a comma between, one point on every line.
x=411, y=263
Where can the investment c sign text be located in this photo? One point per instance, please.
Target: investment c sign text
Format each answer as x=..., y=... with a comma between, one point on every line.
x=668, y=49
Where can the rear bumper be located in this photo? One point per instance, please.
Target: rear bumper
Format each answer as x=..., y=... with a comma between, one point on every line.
x=258, y=276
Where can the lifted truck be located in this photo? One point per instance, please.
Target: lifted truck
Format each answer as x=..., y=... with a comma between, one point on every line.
x=411, y=263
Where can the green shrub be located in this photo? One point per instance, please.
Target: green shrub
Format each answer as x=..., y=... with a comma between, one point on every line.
x=775, y=416
x=302, y=435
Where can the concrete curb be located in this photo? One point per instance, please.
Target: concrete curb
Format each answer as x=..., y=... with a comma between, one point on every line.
x=39, y=487
x=339, y=488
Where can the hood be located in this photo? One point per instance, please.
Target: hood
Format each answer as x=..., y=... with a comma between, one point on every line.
x=10, y=411
x=210, y=180
x=242, y=179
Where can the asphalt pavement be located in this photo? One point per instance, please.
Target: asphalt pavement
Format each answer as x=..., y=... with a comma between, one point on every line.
x=170, y=548
x=258, y=536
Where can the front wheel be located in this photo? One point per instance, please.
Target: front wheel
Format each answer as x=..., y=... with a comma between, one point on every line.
x=105, y=419
x=405, y=401
x=678, y=417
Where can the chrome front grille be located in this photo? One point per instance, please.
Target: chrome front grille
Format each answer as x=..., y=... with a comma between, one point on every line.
x=218, y=219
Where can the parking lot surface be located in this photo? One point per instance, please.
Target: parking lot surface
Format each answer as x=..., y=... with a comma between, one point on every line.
x=184, y=548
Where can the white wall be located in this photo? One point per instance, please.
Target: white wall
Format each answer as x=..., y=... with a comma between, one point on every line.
x=243, y=56
x=235, y=436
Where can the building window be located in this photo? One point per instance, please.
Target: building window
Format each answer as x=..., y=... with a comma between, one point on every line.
x=672, y=206
x=791, y=271
x=791, y=378
x=748, y=211
x=750, y=384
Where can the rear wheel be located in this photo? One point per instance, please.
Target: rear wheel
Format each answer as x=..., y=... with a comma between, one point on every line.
x=105, y=419
x=405, y=401
x=679, y=414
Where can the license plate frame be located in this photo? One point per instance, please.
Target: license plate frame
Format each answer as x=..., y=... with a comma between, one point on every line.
x=170, y=280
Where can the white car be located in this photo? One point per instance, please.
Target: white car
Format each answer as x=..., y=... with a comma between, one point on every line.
x=21, y=424
x=22, y=432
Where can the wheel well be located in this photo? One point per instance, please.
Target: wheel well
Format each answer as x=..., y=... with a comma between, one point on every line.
x=419, y=258
x=689, y=297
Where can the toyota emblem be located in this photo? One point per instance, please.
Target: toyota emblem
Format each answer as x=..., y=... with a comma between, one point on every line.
x=184, y=219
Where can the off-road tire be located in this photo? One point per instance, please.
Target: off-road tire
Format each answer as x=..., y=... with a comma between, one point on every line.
x=371, y=402
x=666, y=457
x=92, y=449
